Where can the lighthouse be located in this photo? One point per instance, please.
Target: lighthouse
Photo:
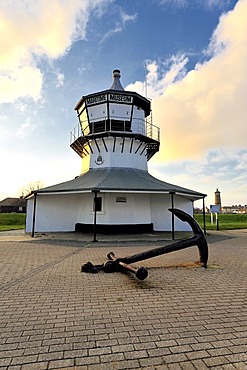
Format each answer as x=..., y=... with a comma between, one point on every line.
x=217, y=199
x=115, y=138
x=115, y=129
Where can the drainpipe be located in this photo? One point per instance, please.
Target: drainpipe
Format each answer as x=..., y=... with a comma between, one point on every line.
x=34, y=214
x=173, y=217
x=95, y=217
x=204, y=216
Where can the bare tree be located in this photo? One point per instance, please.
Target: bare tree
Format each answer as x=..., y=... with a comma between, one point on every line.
x=25, y=190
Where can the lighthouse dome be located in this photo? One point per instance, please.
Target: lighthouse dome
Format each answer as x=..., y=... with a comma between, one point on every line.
x=116, y=85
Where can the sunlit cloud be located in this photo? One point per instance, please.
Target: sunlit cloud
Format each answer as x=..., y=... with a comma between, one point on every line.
x=206, y=108
x=23, y=81
x=34, y=31
x=220, y=168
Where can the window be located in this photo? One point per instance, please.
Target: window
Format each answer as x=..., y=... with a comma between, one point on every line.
x=97, y=204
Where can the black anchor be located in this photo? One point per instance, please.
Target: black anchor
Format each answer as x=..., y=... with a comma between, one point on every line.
x=123, y=264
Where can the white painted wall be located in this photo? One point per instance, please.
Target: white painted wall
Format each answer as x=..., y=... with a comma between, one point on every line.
x=187, y=206
x=29, y=215
x=117, y=158
x=56, y=212
x=135, y=210
x=162, y=218
x=61, y=212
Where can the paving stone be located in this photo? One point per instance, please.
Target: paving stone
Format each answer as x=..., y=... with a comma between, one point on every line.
x=19, y=360
x=180, y=357
x=240, y=365
x=167, y=367
x=99, y=351
x=35, y=366
x=158, y=352
x=237, y=357
x=181, y=348
x=135, y=354
x=5, y=361
x=216, y=361
x=50, y=356
x=59, y=364
x=197, y=354
x=151, y=361
x=166, y=343
x=126, y=364
x=90, y=360
x=114, y=357
x=199, y=364
x=186, y=365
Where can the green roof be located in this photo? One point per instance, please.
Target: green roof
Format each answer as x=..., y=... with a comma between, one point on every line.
x=119, y=180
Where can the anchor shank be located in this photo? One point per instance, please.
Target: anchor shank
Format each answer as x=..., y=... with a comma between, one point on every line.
x=182, y=244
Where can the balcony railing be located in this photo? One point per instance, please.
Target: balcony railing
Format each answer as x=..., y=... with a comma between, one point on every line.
x=138, y=126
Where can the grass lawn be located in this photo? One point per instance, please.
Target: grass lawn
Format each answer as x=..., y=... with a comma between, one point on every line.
x=15, y=221
x=12, y=221
x=226, y=221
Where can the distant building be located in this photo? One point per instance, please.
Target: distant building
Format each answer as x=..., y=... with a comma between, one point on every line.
x=115, y=138
x=198, y=210
x=234, y=209
x=13, y=205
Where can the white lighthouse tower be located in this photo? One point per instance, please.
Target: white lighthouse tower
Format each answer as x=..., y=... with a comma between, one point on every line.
x=115, y=129
x=115, y=138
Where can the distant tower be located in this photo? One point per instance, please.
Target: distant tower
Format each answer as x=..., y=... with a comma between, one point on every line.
x=217, y=199
x=115, y=129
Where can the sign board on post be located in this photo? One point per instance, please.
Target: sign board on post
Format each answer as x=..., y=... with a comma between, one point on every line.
x=215, y=208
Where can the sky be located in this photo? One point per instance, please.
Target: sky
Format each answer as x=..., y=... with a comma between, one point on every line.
x=188, y=56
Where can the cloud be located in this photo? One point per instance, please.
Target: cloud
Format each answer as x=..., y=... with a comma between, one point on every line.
x=34, y=30
x=159, y=75
x=59, y=79
x=175, y=3
x=220, y=168
x=214, y=3
x=20, y=81
x=205, y=3
x=119, y=26
x=204, y=108
x=26, y=129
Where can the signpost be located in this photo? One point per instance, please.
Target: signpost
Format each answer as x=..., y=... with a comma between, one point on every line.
x=215, y=208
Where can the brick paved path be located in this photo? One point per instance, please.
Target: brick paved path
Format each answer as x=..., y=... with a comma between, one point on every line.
x=181, y=317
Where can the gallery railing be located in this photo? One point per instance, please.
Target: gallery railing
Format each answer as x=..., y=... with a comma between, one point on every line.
x=101, y=125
